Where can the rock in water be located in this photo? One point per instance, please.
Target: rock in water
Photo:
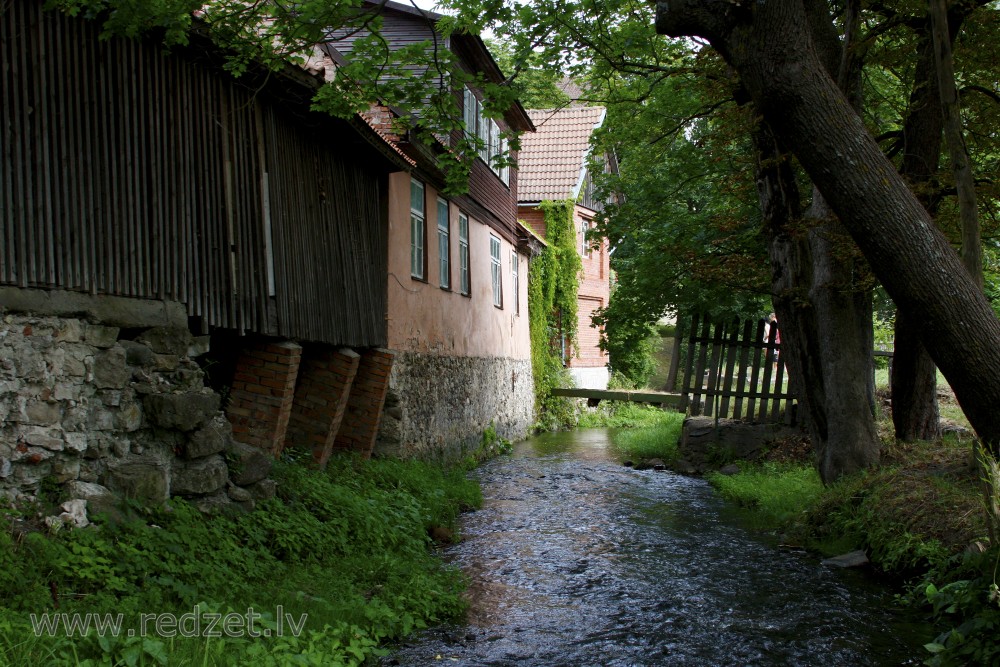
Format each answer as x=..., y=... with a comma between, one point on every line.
x=852, y=559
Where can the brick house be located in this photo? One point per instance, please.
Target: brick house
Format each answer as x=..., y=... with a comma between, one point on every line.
x=458, y=266
x=554, y=166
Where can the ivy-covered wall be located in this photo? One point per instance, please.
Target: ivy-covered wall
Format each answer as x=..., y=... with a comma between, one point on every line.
x=552, y=306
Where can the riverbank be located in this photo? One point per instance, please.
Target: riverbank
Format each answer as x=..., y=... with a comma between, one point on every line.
x=919, y=517
x=339, y=564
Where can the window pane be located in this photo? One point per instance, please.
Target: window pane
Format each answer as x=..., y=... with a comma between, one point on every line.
x=463, y=251
x=494, y=144
x=515, y=281
x=504, y=170
x=469, y=111
x=484, y=132
x=416, y=246
x=417, y=197
x=495, y=271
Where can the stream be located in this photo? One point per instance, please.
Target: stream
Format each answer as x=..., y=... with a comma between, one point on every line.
x=575, y=559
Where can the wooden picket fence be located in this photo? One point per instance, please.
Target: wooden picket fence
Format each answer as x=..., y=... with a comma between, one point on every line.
x=728, y=372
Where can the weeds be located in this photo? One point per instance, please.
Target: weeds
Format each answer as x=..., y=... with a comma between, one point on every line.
x=656, y=440
x=776, y=492
x=622, y=414
x=349, y=547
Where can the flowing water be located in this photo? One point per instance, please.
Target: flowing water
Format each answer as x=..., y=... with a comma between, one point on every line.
x=575, y=559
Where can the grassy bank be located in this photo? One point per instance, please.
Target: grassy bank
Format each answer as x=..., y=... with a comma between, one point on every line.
x=919, y=516
x=343, y=554
x=646, y=432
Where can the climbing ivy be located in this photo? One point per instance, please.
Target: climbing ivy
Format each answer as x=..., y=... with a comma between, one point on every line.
x=553, y=282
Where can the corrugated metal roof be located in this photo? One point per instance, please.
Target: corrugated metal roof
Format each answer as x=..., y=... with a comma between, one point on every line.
x=552, y=161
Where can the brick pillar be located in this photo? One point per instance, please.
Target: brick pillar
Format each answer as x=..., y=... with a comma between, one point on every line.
x=324, y=385
x=365, y=403
x=260, y=402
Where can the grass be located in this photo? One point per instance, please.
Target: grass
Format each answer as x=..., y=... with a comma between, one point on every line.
x=654, y=441
x=776, y=492
x=348, y=547
x=623, y=414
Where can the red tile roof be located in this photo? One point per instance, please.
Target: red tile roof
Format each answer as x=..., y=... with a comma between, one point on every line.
x=552, y=159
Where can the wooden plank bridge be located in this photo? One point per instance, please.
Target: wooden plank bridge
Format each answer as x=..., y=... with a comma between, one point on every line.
x=729, y=370
x=595, y=396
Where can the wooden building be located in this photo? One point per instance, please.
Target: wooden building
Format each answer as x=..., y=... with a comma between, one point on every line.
x=129, y=172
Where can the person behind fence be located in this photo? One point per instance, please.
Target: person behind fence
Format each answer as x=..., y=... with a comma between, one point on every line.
x=772, y=320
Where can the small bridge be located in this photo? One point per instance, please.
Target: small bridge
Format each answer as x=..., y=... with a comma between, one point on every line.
x=595, y=396
x=721, y=368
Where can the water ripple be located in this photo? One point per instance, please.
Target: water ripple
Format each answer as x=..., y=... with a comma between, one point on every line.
x=576, y=560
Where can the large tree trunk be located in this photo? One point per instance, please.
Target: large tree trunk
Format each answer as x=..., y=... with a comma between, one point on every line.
x=915, y=414
x=772, y=49
x=972, y=251
x=818, y=288
x=825, y=320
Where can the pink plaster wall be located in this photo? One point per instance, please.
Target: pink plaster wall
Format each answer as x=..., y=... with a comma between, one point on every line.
x=425, y=318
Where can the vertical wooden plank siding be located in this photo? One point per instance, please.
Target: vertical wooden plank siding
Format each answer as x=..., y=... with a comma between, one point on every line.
x=131, y=172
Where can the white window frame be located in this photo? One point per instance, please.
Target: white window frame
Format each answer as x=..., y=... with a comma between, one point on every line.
x=484, y=133
x=585, y=250
x=418, y=259
x=505, y=169
x=494, y=145
x=495, y=271
x=463, y=253
x=444, y=243
x=469, y=111
x=515, y=280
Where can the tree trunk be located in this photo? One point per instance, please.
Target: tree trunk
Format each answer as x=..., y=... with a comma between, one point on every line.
x=825, y=320
x=972, y=251
x=913, y=382
x=771, y=48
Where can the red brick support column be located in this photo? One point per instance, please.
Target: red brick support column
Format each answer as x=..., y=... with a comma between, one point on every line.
x=324, y=385
x=260, y=402
x=365, y=403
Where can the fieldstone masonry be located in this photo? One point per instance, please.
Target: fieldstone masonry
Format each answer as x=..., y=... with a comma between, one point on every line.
x=438, y=406
x=99, y=417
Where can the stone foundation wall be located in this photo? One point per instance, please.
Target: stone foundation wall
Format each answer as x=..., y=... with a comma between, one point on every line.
x=94, y=412
x=437, y=406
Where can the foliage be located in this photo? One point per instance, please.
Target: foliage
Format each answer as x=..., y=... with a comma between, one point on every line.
x=628, y=342
x=776, y=492
x=991, y=274
x=348, y=546
x=270, y=36
x=533, y=80
x=552, y=313
x=494, y=444
x=884, y=331
x=970, y=608
x=657, y=441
